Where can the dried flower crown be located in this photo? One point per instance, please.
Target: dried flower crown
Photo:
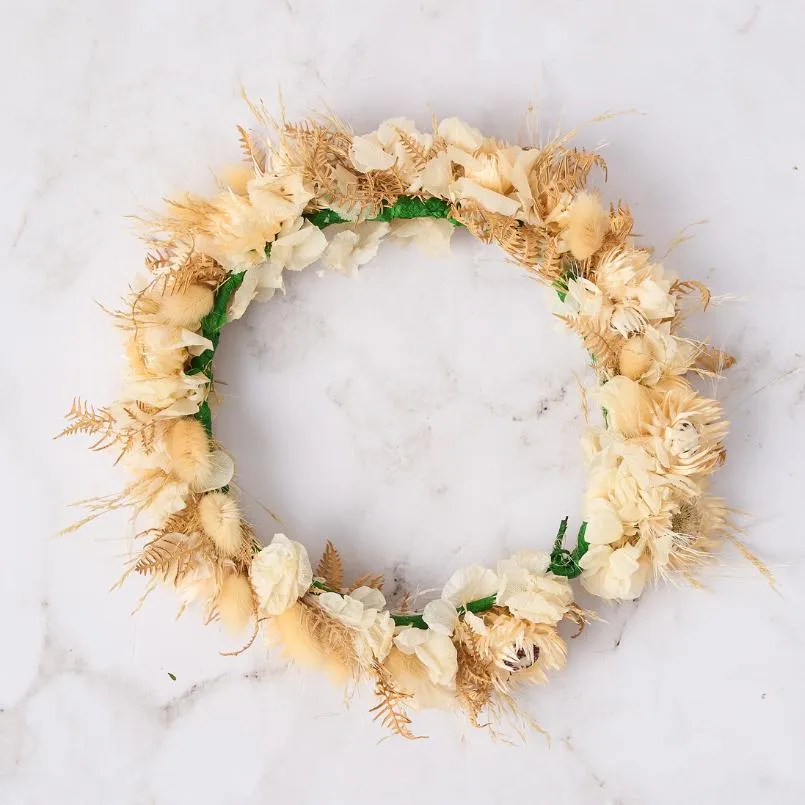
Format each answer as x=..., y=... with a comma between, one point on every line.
x=316, y=192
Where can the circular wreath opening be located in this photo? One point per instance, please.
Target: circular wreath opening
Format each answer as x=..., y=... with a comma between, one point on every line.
x=316, y=193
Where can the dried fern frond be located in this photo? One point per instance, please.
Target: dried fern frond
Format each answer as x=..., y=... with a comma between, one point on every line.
x=253, y=154
x=330, y=567
x=390, y=710
x=605, y=351
x=621, y=222
x=416, y=152
x=165, y=551
x=368, y=580
x=85, y=419
x=475, y=676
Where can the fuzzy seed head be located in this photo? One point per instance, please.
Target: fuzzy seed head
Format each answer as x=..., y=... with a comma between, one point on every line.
x=587, y=225
x=188, y=447
x=235, y=603
x=220, y=521
x=188, y=308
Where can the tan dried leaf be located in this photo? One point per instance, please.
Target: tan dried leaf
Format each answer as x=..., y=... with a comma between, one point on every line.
x=330, y=567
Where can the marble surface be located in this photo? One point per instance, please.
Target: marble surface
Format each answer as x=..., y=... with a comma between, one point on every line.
x=423, y=416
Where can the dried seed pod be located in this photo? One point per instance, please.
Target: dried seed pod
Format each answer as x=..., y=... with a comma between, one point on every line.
x=188, y=308
x=189, y=449
x=220, y=520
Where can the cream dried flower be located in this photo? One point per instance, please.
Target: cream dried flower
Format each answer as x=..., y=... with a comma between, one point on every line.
x=639, y=289
x=363, y=611
x=434, y=650
x=615, y=573
x=350, y=246
x=470, y=584
x=654, y=354
x=280, y=574
x=530, y=591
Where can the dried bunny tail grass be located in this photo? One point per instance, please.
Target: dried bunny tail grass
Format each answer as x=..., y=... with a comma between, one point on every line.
x=410, y=676
x=311, y=639
x=586, y=226
x=188, y=447
x=219, y=517
x=188, y=307
x=236, y=603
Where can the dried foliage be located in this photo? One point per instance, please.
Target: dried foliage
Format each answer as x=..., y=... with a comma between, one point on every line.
x=604, y=349
x=330, y=567
x=475, y=677
x=368, y=580
x=390, y=709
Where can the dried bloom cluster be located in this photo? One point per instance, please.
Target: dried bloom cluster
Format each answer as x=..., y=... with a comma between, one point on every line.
x=314, y=192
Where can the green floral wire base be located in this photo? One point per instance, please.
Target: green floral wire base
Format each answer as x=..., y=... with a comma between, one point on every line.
x=563, y=562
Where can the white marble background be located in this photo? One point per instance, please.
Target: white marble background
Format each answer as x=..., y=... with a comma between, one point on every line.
x=423, y=416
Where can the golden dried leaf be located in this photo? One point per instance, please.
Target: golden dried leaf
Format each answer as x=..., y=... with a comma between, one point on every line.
x=330, y=567
x=390, y=709
x=368, y=580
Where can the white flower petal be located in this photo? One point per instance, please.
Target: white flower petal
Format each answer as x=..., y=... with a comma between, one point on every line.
x=244, y=294
x=367, y=154
x=441, y=616
x=280, y=574
x=470, y=584
x=222, y=468
x=463, y=189
x=431, y=235
x=370, y=597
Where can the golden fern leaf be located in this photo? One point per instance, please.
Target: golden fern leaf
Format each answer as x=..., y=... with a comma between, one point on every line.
x=605, y=352
x=390, y=709
x=368, y=580
x=161, y=552
x=330, y=567
x=84, y=418
x=415, y=151
x=252, y=153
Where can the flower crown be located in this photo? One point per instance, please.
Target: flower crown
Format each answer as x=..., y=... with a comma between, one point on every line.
x=316, y=192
